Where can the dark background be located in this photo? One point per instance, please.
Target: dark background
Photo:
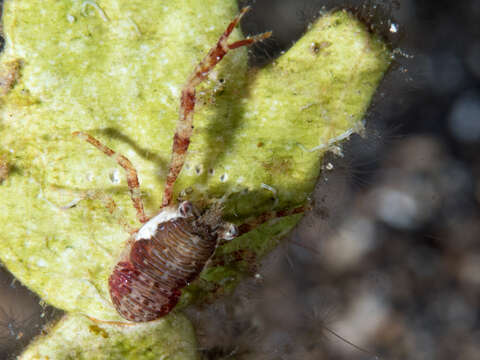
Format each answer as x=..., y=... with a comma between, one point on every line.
x=389, y=258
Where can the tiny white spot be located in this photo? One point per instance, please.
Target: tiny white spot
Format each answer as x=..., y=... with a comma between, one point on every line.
x=273, y=190
x=115, y=176
x=173, y=89
x=195, y=239
x=70, y=18
x=393, y=28
x=41, y=263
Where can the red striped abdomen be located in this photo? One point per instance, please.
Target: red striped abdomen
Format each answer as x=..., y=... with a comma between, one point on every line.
x=147, y=285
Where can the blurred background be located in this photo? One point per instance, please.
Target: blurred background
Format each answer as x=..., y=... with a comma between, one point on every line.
x=389, y=259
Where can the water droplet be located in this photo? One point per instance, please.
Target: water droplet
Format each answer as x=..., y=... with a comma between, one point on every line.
x=115, y=176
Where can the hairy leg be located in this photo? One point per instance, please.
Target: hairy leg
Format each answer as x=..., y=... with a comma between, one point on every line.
x=183, y=131
x=132, y=178
x=108, y=322
x=253, y=223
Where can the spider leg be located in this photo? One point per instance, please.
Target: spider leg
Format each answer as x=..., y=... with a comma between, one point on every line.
x=132, y=178
x=255, y=222
x=109, y=322
x=183, y=131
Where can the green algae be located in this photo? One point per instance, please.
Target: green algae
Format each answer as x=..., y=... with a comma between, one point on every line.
x=76, y=337
x=115, y=69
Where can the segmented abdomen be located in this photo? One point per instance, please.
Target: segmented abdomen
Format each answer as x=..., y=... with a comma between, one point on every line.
x=148, y=285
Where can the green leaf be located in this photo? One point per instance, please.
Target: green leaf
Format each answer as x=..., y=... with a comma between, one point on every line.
x=115, y=69
x=76, y=337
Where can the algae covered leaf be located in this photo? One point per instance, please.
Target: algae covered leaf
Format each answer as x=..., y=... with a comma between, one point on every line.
x=115, y=69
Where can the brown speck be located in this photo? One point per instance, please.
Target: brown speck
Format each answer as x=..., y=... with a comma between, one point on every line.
x=9, y=75
x=316, y=47
x=3, y=170
x=98, y=331
x=279, y=165
x=260, y=144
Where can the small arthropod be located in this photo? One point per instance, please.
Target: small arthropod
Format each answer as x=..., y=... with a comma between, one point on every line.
x=171, y=248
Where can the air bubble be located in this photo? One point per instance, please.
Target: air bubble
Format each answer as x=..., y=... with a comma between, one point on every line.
x=115, y=176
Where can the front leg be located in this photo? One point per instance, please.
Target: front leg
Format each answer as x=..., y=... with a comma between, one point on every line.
x=131, y=172
x=254, y=222
x=183, y=131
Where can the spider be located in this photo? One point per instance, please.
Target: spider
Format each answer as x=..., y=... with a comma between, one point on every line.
x=171, y=248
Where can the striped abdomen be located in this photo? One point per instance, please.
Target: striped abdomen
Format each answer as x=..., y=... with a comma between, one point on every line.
x=147, y=285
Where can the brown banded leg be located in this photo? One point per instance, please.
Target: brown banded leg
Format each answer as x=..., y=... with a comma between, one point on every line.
x=246, y=255
x=253, y=223
x=237, y=257
x=183, y=131
x=132, y=178
x=109, y=322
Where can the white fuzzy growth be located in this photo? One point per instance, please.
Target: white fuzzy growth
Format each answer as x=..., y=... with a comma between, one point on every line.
x=148, y=230
x=273, y=190
x=96, y=7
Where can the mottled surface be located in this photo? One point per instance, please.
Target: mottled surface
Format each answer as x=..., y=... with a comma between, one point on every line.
x=173, y=339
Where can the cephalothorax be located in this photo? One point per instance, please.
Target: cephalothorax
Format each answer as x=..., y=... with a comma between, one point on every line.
x=171, y=248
